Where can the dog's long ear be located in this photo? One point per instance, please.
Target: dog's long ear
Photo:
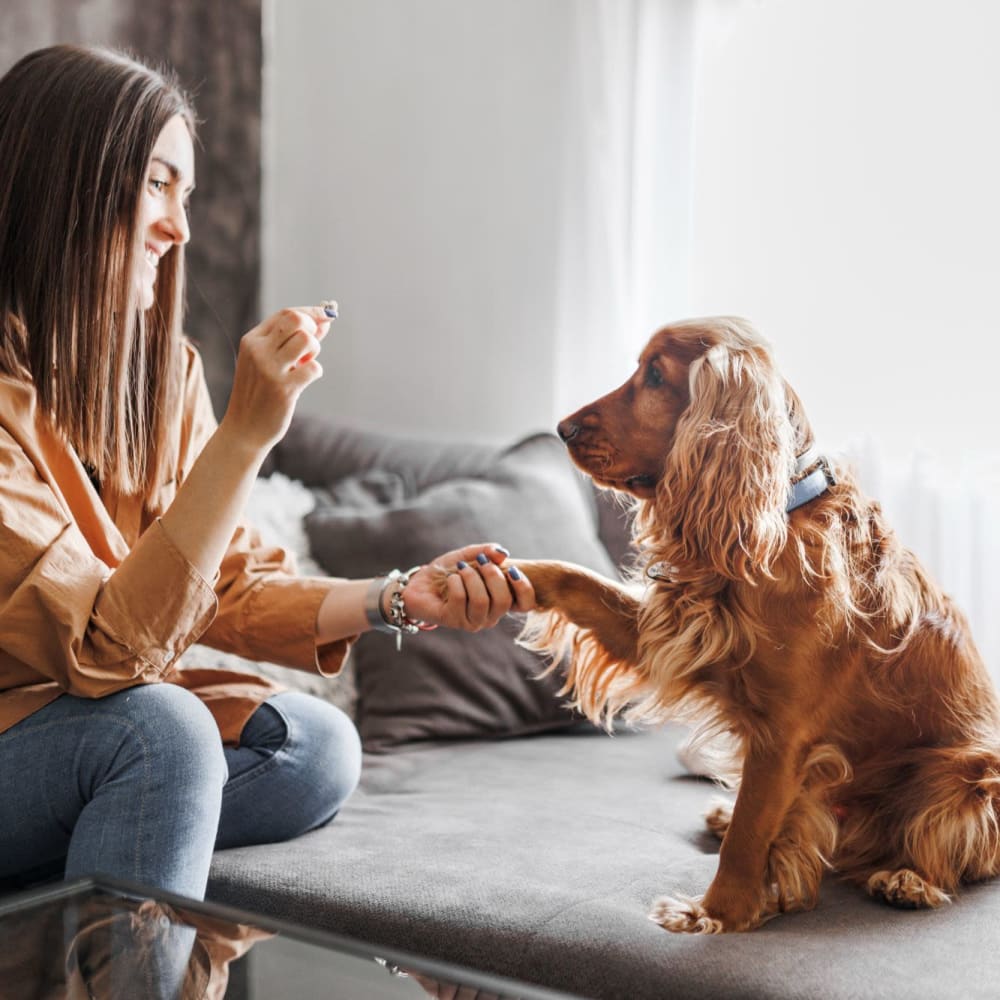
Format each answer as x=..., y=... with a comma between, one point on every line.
x=725, y=488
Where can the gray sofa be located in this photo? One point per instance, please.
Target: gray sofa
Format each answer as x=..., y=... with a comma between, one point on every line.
x=495, y=829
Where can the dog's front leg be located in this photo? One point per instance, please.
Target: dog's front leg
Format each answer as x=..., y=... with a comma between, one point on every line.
x=601, y=607
x=738, y=898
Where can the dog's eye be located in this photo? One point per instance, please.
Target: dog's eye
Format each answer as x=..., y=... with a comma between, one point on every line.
x=653, y=376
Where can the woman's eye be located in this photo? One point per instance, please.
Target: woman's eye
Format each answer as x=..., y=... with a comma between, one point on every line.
x=158, y=185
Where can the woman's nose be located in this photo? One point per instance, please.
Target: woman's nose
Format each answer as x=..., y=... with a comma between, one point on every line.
x=175, y=224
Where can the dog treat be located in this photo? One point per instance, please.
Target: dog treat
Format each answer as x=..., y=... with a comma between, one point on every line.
x=329, y=306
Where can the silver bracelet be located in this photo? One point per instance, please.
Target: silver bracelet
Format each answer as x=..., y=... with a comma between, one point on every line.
x=373, y=604
x=398, y=621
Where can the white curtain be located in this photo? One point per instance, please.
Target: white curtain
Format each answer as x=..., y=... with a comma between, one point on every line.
x=625, y=205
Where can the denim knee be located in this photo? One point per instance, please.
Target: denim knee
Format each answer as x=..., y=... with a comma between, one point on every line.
x=149, y=770
x=174, y=727
x=325, y=746
x=308, y=766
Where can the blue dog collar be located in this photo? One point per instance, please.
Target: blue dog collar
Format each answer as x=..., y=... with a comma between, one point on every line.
x=813, y=477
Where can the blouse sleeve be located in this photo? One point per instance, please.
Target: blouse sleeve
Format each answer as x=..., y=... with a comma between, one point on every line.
x=73, y=618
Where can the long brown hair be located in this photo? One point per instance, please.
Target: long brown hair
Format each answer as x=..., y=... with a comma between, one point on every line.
x=77, y=130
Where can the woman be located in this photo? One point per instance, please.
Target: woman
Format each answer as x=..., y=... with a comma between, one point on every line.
x=121, y=542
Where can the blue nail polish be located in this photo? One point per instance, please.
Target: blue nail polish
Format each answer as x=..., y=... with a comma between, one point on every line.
x=330, y=312
x=481, y=559
x=462, y=565
x=515, y=573
x=501, y=549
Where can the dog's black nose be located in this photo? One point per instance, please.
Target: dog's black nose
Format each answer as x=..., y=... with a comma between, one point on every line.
x=568, y=430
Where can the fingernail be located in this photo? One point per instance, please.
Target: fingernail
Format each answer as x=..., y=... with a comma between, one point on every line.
x=500, y=548
x=481, y=559
x=462, y=565
x=515, y=573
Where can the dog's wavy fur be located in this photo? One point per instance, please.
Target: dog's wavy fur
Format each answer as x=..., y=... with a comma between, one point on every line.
x=864, y=729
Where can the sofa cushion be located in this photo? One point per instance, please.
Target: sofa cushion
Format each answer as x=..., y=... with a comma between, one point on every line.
x=448, y=684
x=539, y=859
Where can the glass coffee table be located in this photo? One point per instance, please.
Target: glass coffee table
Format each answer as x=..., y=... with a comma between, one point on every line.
x=101, y=938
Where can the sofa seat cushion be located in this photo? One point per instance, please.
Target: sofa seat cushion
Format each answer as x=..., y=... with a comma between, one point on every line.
x=538, y=858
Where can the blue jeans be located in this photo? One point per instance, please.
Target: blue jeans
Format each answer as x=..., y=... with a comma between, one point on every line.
x=137, y=785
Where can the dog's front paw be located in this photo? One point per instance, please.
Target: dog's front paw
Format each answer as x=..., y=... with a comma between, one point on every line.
x=684, y=915
x=549, y=580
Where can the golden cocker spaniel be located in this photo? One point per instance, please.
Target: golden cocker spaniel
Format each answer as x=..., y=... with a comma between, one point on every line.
x=780, y=613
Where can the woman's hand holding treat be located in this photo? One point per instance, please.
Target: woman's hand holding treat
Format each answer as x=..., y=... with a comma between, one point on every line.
x=277, y=360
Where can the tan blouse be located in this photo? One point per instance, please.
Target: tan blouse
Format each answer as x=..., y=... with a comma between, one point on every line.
x=77, y=616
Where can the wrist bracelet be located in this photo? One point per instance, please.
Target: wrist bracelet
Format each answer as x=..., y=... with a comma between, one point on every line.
x=397, y=620
x=373, y=604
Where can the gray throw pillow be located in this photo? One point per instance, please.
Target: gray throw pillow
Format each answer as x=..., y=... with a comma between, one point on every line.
x=447, y=684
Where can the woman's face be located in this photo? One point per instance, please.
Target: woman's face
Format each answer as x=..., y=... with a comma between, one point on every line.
x=163, y=204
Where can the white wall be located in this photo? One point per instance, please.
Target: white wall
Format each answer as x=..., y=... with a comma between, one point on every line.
x=413, y=156
x=498, y=194
x=848, y=201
